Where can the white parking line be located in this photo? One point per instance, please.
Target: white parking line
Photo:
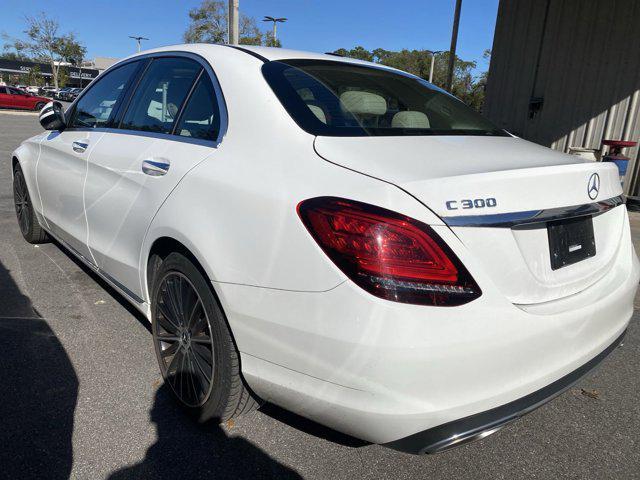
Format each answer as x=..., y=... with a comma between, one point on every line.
x=19, y=112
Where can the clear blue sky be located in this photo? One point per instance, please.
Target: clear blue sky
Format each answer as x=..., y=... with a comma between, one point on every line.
x=316, y=25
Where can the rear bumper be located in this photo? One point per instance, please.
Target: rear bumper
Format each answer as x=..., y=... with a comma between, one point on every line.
x=385, y=372
x=480, y=425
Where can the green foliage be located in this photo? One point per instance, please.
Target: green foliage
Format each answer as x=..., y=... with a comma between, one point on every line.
x=465, y=86
x=208, y=24
x=270, y=42
x=63, y=77
x=34, y=77
x=358, y=52
x=17, y=56
x=44, y=43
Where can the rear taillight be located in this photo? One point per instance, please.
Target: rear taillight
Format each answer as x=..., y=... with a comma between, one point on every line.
x=387, y=254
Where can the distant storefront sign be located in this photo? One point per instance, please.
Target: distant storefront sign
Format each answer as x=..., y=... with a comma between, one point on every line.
x=20, y=67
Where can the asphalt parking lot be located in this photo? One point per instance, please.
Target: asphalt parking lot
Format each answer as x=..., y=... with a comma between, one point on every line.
x=81, y=395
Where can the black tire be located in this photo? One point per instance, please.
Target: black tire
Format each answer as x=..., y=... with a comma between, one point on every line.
x=187, y=324
x=27, y=220
x=39, y=106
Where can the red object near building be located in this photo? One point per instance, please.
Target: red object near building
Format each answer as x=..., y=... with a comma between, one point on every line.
x=11, y=97
x=616, y=146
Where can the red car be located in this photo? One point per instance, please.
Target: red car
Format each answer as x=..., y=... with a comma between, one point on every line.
x=11, y=97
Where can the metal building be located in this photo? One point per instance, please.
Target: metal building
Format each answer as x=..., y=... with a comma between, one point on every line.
x=566, y=73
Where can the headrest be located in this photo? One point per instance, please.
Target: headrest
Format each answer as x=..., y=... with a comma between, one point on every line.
x=363, y=103
x=410, y=119
x=318, y=112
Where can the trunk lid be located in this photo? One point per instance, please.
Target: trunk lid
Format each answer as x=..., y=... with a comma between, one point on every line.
x=477, y=185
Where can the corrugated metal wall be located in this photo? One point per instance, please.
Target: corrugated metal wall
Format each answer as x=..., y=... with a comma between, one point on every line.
x=566, y=73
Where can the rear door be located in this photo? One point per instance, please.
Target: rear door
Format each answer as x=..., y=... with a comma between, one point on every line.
x=172, y=123
x=62, y=168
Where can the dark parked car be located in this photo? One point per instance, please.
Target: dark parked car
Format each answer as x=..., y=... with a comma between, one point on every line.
x=11, y=97
x=62, y=93
x=73, y=94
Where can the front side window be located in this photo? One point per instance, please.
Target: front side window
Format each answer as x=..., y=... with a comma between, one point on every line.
x=343, y=99
x=201, y=116
x=96, y=107
x=160, y=94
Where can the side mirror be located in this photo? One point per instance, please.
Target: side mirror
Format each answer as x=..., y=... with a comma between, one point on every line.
x=52, y=116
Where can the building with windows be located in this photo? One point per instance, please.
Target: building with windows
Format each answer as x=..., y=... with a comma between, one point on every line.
x=15, y=71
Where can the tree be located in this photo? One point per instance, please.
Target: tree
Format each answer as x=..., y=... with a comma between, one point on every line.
x=45, y=43
x=209, y=25
x=63, y=77
x=465, y=86
x=358, y=52
x=269, y=41
x=7, y=55
x=34, y=77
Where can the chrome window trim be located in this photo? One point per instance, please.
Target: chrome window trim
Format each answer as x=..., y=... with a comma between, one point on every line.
x=222, y=105
x=532, y=217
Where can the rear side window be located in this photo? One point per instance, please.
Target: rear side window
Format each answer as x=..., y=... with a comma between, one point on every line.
x=96, y=107
x=201, y=116
x=160, y=94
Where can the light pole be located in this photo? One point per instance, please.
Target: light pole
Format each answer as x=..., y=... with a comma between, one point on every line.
x=233, y=22
x=433, y=61
x=137, y=39
x=454, y=41
x=275, y=21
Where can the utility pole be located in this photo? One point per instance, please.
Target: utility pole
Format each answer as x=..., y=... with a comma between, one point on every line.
x=234, y=35
x=137, y=39
x=275, y=21
x=454, y=41
x=433, y=61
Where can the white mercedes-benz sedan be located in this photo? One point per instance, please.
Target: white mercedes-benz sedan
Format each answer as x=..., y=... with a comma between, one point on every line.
x=337, y=237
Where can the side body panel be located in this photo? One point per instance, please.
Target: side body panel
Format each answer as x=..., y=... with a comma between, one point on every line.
x=61, y=174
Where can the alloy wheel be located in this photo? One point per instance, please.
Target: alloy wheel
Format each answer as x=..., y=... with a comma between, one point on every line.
x=21, y=202
x=183, y=341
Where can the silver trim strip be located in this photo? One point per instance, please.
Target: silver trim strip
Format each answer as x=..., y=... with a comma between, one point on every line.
x=100, y=272
x=532, y=217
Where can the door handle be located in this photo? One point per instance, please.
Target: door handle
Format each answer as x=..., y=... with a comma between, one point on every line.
x=155, y=168
x=79, y=147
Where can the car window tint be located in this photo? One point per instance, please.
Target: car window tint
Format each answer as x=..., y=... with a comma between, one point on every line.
x=95, y=108
x=201, y=116
x=160, y=94
x=343, y=99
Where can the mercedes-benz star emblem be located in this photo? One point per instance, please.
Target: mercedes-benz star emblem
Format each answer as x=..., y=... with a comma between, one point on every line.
x=593, y=187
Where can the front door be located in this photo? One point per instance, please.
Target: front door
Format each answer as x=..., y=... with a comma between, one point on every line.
x=62, y=169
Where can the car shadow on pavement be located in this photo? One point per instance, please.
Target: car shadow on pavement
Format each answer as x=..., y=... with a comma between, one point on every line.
x=187, y=450
x=117, y=296
x=310, y=427
x=38, y=391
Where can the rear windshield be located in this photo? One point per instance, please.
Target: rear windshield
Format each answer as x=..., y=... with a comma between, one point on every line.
x=342, y=99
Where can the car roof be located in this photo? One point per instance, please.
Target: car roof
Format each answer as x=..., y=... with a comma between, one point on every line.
x=262, y=53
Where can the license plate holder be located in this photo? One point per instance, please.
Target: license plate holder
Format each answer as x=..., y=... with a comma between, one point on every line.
x=571, y=240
